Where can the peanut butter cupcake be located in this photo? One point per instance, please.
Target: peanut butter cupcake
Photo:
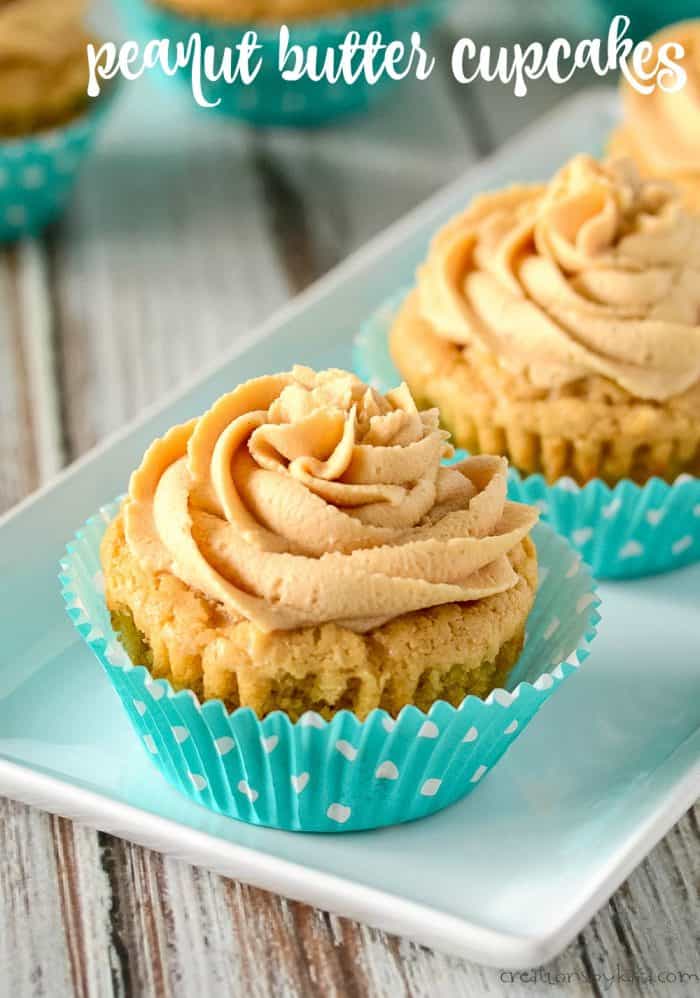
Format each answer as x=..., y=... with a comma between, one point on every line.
x=661, y=130
x=301, y=547
x=47, y=123
x=312, y=622
x=558, y=324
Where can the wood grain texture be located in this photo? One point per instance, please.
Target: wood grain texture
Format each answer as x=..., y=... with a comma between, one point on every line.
x=195, y=243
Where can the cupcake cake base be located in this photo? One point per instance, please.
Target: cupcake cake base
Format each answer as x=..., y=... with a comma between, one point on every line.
x=444, y=653
x=344, y=774
x=591, y=429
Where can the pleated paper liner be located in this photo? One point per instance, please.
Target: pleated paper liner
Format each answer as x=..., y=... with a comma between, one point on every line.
x=624, y=531
x=345, y=774
x=38, y=172
x=270, y=100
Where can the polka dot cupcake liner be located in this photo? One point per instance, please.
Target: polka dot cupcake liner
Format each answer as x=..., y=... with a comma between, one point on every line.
x=270, y=100
x=622, y=532
x=38, y=173
x=342, y=775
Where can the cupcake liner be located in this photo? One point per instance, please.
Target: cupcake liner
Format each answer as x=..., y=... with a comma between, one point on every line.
x=270, y=100
x=37, y=173
x=622, y=532
x=342, y=775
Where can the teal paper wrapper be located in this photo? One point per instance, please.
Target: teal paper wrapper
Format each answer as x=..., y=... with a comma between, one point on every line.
x=622, y=532
x=38, y=173
x=342, y=775
x=270, y=100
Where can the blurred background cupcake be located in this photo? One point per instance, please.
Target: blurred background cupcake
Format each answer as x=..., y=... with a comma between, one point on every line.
x=46, y=123
x=270, y=100
x=660, y=130
x=557, y=324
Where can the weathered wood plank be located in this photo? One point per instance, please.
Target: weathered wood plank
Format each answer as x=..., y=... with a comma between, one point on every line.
x=34, y=957
x=18, y=464
x=54, y=900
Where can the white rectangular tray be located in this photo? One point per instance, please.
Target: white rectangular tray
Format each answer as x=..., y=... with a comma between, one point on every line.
x=506, y=877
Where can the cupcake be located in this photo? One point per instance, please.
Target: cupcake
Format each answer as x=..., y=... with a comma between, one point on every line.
x=661, y=130
x=318, y=27
x=311, y=621
x=558, y=324
x=46, y=123
x=301, y=547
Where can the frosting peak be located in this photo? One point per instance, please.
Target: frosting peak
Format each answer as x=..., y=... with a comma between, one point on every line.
x=597, y=273
x=304, y=497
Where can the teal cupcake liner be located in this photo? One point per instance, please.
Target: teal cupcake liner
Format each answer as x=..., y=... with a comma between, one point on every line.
x=270, y=100
x=342, y=775
x=38, y=172
x=622, y=532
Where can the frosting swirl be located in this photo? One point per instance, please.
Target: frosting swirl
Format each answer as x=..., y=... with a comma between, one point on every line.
x=662, y=130
x=303, y=498
x=43, y=66
x=597, y=273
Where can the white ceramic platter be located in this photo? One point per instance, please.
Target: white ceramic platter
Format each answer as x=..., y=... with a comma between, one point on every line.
x=507, y=876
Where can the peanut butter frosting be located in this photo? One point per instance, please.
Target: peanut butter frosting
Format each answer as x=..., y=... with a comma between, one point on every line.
x=304, y=498
x=662, y=129
x=43, y=63
x=596, y=273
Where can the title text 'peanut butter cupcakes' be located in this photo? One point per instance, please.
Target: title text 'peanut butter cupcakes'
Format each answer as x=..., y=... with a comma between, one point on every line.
x=311, y=620
x=317, y=26
x=559, y=325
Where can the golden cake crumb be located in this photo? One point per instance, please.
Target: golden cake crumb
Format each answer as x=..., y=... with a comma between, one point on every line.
x=444, y=653
x=591, y=428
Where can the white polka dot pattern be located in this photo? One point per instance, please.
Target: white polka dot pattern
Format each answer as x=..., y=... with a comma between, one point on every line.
x=37, y=175
x=337, y=775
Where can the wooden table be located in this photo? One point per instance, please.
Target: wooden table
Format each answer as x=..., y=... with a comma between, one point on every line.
x=170, y=250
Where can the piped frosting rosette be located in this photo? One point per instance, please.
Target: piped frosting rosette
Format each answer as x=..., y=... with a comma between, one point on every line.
x=304, y=498
x=596, y=274
x=661, y=129
x=576, y=309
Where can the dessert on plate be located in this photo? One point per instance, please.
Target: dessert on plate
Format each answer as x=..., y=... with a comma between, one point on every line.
x=559, y=324
x=301, y=546
x=661, y=130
